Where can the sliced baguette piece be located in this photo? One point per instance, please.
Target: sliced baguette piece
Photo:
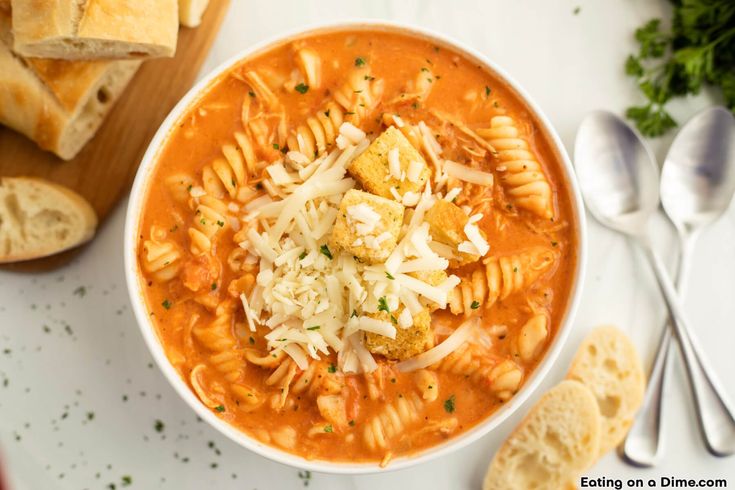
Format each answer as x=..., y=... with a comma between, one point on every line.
x=552, y=446
x=58, y=104
x=95, y=29
x=191, y=11
x=608, y=364
x=40, y=218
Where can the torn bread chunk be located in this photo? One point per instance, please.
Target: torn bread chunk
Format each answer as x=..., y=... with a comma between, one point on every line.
x=409, y=342
x=367, y=226
x=447, y=224
x=392, y=168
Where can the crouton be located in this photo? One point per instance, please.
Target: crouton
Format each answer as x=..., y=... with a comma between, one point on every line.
x=433, y=278
x=373, y=168
x=367, y=226
x=446, y=225
x=409, y=342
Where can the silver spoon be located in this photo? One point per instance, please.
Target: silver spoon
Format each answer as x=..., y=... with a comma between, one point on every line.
x=619, y=181
x=697, y=185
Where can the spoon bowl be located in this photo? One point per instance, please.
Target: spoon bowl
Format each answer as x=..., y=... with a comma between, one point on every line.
x=698, y=177
x=617, y=173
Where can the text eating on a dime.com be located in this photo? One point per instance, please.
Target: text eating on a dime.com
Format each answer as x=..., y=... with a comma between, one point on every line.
x=656, y=482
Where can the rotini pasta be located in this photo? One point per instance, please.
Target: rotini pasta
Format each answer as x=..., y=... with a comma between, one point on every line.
x=210, y=218
x=520, y=172
x=395, y=418
x=160, y=258
x=501, y=277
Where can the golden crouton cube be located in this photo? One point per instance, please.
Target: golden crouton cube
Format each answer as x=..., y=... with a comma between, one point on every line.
x=446, y=225
x=433, y=278
x=372, y=168
x=409, y=342
x=367, y=226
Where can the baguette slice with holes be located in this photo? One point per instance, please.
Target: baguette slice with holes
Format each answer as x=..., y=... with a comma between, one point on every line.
x=553, y=445
x=95, y=29
x=191, y=11
x=608, y=364
x=58, y=104
x=40, y=218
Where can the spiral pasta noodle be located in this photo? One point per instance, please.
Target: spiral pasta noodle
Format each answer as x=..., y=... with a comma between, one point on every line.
x=319, y=132
x=520, y=172
x=209, y=220
x=160, y=258
x=392, y=420
x=225, y=354
x=359, y=95
x=501, y=277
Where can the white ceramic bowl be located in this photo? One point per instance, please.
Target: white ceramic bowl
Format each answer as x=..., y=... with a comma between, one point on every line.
x=148, y=330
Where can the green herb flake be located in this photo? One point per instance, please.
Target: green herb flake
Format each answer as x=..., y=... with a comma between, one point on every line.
x=127, y=480
x=166, y=304
x=383, y=304
x=214, y=286
x=577, y=10
x=360, y=61
x=332, y=368
x=475, y=305
x=449, y=404
x=301, y=88
x=81, y=291
x=159, y=425
x=276, y=146
x=328, y=428
x=393, y=320
x=315, y=327
x=487, y=91
x=220, y=408
x=303, y=255
x=325, y=251
x=389, y=275
x=352, y=423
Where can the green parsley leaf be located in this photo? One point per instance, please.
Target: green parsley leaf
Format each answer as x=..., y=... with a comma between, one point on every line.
x=328, y=428
x=325, y=251
x=449, y=404
x=301, y=88
x=359, y=61
x=315, y=327
x=389, y=275
x=166, y=304
x=220, y=408
x=475, y=305
x=383, y=304
x=303, y=255
x=332, y=368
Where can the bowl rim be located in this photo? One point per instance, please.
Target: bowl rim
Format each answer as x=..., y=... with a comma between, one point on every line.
x=148, y=330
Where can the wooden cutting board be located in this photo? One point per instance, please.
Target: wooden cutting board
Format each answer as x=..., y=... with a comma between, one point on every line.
x=104, y=170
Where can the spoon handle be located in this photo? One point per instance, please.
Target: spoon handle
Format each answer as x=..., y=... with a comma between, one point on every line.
x=644, y=439
x=715, y=412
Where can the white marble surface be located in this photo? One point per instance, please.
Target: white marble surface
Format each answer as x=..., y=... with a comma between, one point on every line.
x=71, y=354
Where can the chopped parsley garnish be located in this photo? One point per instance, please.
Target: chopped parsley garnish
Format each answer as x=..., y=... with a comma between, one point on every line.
x=449, y=404
x=301, y=88
x=389, y=275
x=354, y=314
x=214, y=286
x=383, y=304
x=220, y=408
x=126, y=480
x=577, y=10
x=159, y=426
x=276, y=146
x=393, y=320
x=303, y=255
x=325, y=251
x=81, y=291
x=359, y=61
x=166, y=304
x=220, y=223
x=352, y=423
x=315, y=327
x=328, y=428
x=475, y=305
x=251, y=93
x=251, y=340
x=487, y=91
x=332, y=368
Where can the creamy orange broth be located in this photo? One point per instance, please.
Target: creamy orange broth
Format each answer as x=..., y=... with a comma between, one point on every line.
x=460, y=88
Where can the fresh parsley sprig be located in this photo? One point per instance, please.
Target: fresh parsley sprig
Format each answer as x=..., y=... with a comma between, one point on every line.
x=699, y=50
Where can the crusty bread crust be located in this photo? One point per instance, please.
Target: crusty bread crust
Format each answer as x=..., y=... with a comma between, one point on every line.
x=191, y=11
x=58, y=104
x=39, y=218
x=608, y=364
x=95, y=29
x=556, y=441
